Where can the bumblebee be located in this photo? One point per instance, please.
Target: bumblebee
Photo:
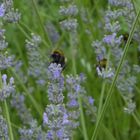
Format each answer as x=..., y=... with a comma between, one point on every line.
x=102, y=64
x=125, y=38
x=58, y=57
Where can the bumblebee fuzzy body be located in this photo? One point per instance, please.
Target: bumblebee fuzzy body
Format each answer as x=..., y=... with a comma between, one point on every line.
x=125, y=38
x=102, y=64
x=58, y=58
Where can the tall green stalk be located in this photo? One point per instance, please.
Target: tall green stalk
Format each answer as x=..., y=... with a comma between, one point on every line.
x=7, y=116
x=101, y=98
x=40, y=20
x=82, y=119
x=110, y=92
x=33, y=101
x=79, y=97
x=8, y=120
x=103, y=87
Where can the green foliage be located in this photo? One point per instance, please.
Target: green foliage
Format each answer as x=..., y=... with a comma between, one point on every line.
x=113, y=123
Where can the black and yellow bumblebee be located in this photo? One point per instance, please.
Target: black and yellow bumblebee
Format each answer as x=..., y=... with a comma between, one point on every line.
x=58, y=57
x=102, y=64
x=125, y=38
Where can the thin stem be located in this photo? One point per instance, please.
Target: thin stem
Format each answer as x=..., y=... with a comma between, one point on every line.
x=135, y=114
x=8, y=121
x=134, y=7
x=103, y=86
x=105, y=129
x=41, y=23
x=5, y=108
x=79, y=97
x=110, y=93
x=21, y=25
x=73, y=54
x=22, y=30
x=33, y=101
x=136, y=118
x=82, y=119
x=101, y=98
x=107, y=132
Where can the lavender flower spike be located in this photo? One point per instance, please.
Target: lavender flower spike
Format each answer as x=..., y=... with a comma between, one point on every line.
x=7, y=88
x=55, y=116
x=2, y=10
x=3, y=129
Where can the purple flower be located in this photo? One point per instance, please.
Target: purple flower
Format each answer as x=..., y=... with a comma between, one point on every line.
x=70, y=22
x=60, y=133
x=12, y=15
x=50, y=135
x=77, y=88
x=105, y=73
x=71, y=10
x=109, y=38
x=7, y=88
x=112, y=40
x=65, y=119
x=54, y=71
x=56, y=119
x=18, y=102
x=45, y=118
x=55, y=116
x=34, y=132
x=2, y=10
x=73, y=103
x=90, y=100
x=100, y=49
x=3, y=128
x=2, y=31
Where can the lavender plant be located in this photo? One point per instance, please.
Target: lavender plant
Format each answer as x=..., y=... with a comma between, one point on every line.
x=34, y=132
x=76, y=91
x=36, y=63
x=115, y=79
x=53, y=33
x=2, y=10
x=55, y=115
x=6, y=61
x=69, y=10
x=11, y=15
x=60, y=118
x=69, y=112
x=3, y=128
x=110, y=47
x=18, y=102
x=7, y=88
